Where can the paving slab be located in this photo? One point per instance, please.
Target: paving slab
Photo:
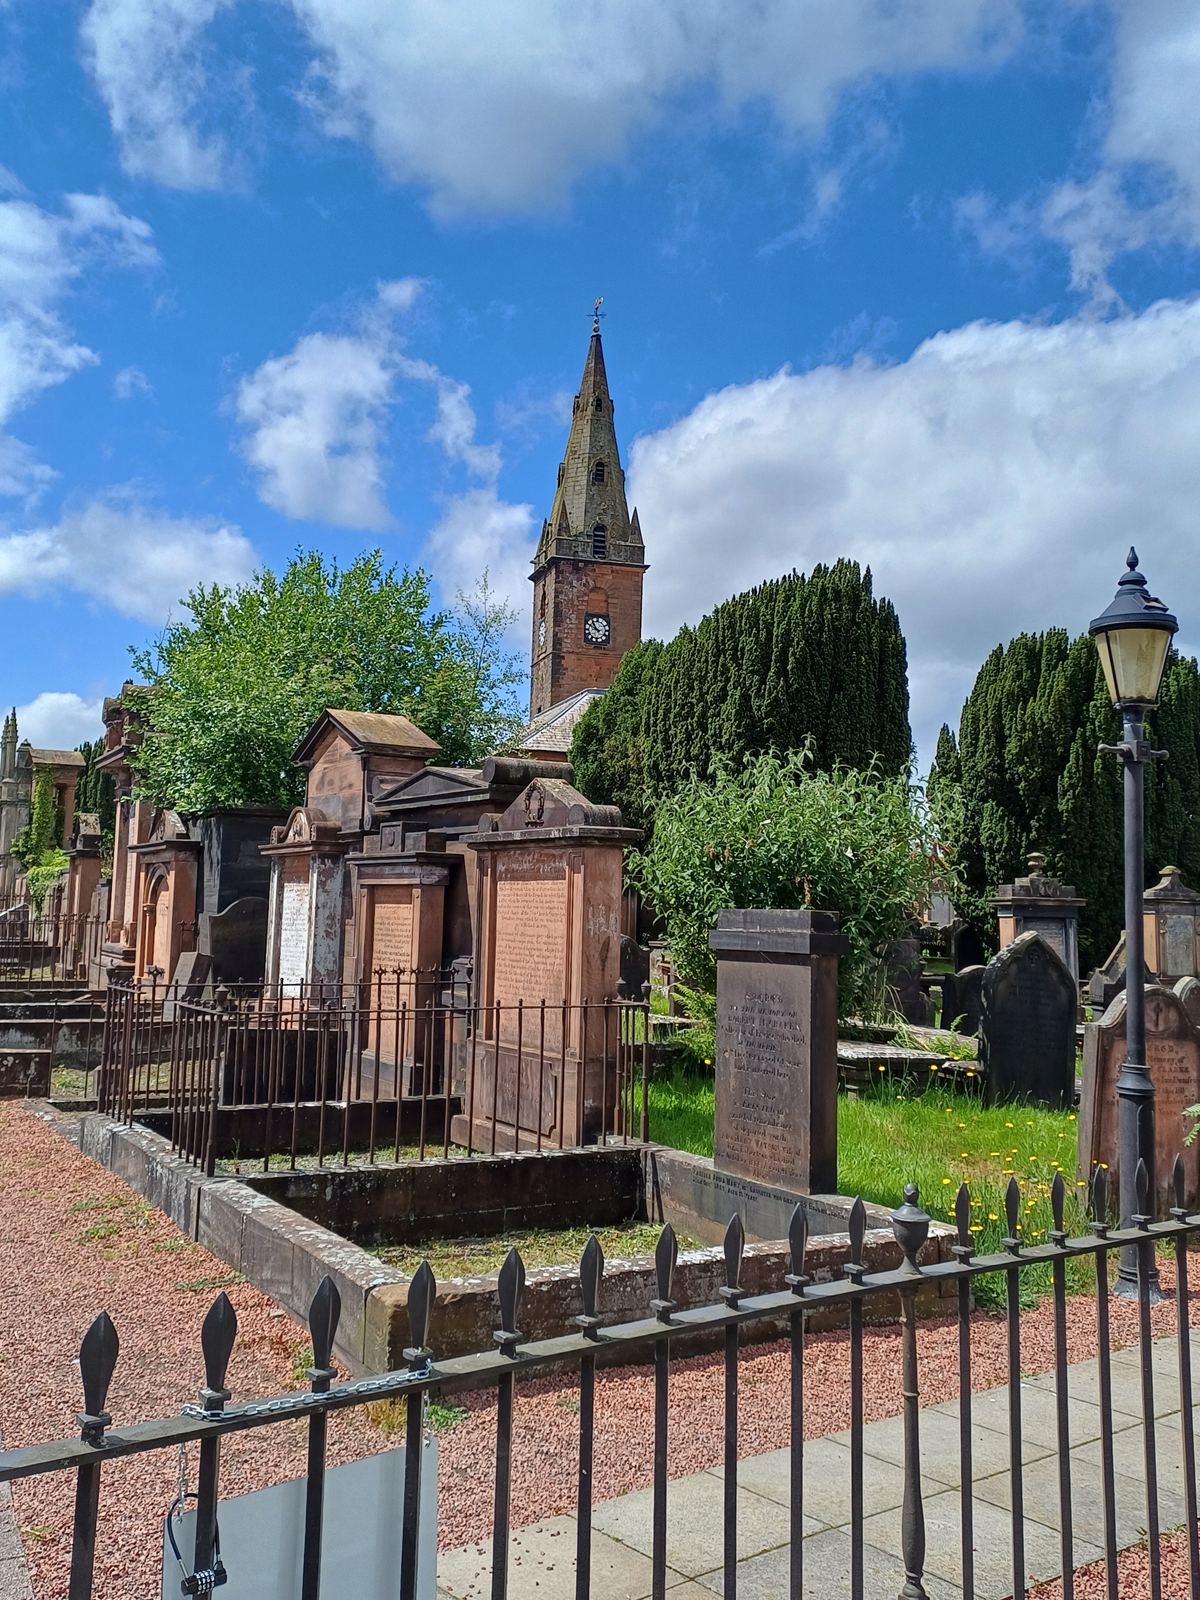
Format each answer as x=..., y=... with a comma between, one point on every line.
x=695, y=1524
x=542, y=1558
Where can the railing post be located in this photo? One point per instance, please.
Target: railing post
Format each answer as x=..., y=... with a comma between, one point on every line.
x=216, y=1341
x=591, y=1270
x=97, y=1358
x=666, y=1253
x=421, y=1294
x=323, y=1318
x=911, y=1227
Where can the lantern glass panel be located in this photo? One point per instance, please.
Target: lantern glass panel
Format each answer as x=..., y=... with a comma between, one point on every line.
x=1133, y=660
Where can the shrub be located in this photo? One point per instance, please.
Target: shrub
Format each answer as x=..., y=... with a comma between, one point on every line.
x=779, y=835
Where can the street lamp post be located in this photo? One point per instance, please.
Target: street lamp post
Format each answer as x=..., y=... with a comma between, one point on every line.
x=1132, y=637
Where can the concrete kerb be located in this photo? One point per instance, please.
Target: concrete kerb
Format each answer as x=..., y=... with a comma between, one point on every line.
x=285, y=1255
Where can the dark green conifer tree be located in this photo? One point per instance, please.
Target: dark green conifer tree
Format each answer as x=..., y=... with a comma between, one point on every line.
x=1027, y=774
x=800, y=658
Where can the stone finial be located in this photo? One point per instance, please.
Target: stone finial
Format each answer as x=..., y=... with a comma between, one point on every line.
x=1036, y=862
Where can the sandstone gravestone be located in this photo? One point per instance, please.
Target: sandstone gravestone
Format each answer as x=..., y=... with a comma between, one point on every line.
x=548, y=882
x=1027, y=1025
x=776, y=1051
x=1173, y=1056
x=1188, y=990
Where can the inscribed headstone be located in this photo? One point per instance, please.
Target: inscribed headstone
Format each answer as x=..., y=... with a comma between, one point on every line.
x=776, y=1047
x=1173, y=1057
x=1029, y=1003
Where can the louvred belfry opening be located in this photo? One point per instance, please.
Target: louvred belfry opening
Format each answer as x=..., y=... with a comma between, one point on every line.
x=589, y=545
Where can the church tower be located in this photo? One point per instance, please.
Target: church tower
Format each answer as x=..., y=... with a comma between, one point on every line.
x=587, y=574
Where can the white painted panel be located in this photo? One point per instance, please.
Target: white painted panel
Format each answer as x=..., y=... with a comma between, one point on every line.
x=262, y=1535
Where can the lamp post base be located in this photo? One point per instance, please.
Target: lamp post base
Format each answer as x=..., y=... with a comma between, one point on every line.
x=1126, y=1288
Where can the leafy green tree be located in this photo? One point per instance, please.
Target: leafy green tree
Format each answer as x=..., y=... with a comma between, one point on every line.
x=228, y=692
x=811, y=661
x=782, y=834
x=1026, y=773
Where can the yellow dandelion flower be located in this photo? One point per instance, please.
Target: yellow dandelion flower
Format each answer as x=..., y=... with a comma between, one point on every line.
x=992, y=1217
x=962, y=1124
x=1008, y=1124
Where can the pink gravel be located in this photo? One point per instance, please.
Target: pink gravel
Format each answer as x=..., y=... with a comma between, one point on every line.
x=58, y=1280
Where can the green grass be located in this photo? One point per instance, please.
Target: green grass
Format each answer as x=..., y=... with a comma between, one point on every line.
x=936, y=1140
x=681, y=1111
x=539, y=1247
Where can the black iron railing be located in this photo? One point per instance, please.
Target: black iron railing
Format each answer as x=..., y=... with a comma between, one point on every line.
x=407, y=1062
x=664, y=1331
x=55, y=948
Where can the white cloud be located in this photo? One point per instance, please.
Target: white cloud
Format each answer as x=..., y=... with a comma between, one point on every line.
x=477, y=531
x=125, y=554
x=316, y=419
x=315, y=423
x=132, y=381
x=1146, y=189
x=55, y=720
x=993, y=482
x=147, y=57
x=41, y=255
x=500, y=105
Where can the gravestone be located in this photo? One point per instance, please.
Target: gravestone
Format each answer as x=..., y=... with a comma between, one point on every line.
x=904, y=983
x=1173, y=1056
x=962, y=999
x=776, y=1050
x=547, y=887
x=1027, y=1025
x=1108, y=980
x=192, y=972
x=1188, y=990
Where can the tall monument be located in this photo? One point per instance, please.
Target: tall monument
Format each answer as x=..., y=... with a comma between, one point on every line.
x=587, y=574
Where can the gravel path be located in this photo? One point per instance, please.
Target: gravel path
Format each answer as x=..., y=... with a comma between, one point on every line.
x=74, y=1239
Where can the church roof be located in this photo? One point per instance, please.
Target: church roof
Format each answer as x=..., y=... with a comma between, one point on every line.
x=552, y=730
x=589, y=518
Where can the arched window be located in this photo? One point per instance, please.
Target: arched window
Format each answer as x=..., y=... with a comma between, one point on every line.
x=599, y=542
x=598, y=472
x=599, y=403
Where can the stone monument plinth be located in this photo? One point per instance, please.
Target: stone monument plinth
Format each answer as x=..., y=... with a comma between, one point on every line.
x=1038, y=904
x=1171, y=917
x=776, y=1052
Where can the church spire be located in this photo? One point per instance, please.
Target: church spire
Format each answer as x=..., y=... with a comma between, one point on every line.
x=589, y=518
x=587, y=574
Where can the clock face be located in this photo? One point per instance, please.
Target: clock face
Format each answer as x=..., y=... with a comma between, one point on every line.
x=542, y=631
x=596, y=629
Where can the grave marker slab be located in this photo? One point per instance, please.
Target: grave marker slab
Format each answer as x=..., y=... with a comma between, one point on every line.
x=1173, y=1056
x=1029, y=1003
x=776, y=1050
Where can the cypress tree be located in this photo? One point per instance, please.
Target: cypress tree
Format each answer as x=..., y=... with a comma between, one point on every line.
x=800, y=658
x=1026, y=773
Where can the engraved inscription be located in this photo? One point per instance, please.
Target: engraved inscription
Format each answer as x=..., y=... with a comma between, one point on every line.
x=392, y=929
x=531, y=939
x=293, y=926
x=1173, y=1056
x=761, y=1045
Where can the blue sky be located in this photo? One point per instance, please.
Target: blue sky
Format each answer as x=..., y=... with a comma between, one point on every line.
x=913, y=281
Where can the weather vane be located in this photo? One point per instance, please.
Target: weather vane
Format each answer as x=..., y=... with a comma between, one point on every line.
x=597, y=314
